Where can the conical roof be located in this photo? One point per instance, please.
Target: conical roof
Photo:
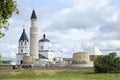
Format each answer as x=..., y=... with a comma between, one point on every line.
x=95, y=51
x=23, y=36
x=33, y=16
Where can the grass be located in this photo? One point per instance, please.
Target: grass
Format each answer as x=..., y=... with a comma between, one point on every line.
x=55, y=73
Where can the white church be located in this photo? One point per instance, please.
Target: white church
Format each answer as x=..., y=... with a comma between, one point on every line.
x=34, y=51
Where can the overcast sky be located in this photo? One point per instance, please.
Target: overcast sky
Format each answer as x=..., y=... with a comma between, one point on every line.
x=71, y=25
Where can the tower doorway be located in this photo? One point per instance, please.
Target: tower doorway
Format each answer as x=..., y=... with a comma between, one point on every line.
x=21, y=62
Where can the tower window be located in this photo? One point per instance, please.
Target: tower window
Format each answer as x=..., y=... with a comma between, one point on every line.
x=21, y=50
x=25, y=42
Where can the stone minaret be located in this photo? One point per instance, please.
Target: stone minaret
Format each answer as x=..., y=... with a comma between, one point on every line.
x=34, y=36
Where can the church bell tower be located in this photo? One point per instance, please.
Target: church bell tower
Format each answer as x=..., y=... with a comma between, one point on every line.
x=23, y=48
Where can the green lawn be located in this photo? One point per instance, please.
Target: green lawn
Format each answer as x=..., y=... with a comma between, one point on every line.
x=55, y=73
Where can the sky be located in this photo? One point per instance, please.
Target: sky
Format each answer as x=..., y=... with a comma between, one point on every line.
x=70, y=25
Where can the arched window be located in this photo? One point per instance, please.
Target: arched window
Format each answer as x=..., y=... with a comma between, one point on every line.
x=25, y=43
x=21, y=50
x=41, y=47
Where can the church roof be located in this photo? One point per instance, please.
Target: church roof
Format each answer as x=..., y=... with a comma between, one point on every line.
x=33, y=16
x=44, y=39
x=23, y=36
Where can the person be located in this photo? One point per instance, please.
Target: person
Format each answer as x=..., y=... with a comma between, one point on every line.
x=14, y=67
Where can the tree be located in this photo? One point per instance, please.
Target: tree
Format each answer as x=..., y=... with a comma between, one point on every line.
x=7, y=8
x=107, y=64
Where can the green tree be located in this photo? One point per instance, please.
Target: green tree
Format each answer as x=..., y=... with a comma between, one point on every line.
x=107, y=64
x=7, y=8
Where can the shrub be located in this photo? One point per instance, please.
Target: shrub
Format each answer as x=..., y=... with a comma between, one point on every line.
x=107, y=64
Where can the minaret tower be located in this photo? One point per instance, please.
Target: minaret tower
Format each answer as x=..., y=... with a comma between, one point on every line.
x=34, y=36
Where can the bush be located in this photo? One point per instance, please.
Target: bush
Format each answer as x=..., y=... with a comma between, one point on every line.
x=107, y=64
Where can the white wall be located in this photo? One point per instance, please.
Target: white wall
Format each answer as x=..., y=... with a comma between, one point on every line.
x=23, y=47
x=43, y=46
x=19, y=58
x=49, y=55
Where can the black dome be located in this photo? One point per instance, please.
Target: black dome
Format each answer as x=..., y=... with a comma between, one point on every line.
x=23, y=36
x=44, y=39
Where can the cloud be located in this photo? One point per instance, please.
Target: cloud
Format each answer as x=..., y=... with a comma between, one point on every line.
x=97, y=22
x=71, y=25
x=83, y=14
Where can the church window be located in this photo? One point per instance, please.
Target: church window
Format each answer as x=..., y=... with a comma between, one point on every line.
x=21, y=50
x=25, y=42
x=41, y=47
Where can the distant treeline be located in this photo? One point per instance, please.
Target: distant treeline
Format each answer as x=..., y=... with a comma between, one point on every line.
x=5, y=61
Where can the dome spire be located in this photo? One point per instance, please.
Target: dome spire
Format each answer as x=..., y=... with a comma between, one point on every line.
x=23, y=36
x=44, y=39
x=23, y=28
x=44, y=36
